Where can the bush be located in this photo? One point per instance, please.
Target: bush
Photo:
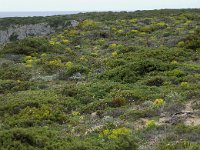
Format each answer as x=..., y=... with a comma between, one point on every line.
x=72, y=70
x=28, y=46
x=132, y=72
x=118, y=102
x=193, y=41
x=155, y=81
x=13, y=86
x=14, y=72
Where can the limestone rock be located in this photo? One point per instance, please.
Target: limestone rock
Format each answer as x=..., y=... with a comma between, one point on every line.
x=21, y=32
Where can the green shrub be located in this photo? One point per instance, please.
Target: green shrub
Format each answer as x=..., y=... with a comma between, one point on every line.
x=132, y=72
x=193, y=41
x=13, y=86
x=14, y=72
x=69, y=72
x=28, y=46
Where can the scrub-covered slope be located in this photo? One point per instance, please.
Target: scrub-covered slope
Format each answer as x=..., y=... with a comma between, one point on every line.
x=115, y=81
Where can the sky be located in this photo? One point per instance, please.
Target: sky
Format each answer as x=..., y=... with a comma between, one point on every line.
x=94, y=5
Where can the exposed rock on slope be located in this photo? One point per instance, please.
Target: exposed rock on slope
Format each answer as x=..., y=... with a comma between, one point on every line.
x=20, y=32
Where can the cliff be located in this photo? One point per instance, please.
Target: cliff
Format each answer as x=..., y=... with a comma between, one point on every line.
x=20, y=32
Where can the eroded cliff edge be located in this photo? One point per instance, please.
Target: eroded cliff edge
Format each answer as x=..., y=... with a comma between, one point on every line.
x=18, y=32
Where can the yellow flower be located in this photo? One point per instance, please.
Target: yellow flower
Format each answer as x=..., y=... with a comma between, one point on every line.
x=88, y=24
x=174, y=62
x=151, y=123
x=114, y=29
x=58, y=43
x=52, y=43
x=65, y=41
x=184, y=83
x=82, y=58
x=113, y=46
x=114, y=54
x=29, y=61
x=106, y=132
x=55, y=62
x=112, y=136
x=120, y=31
x=53, y=39
x=134, y=31
x=133, y=20
x=68, y=49
x=69, y=64
x=28, y=57
x=159, y=102
x=75, y=113
x=121, y=131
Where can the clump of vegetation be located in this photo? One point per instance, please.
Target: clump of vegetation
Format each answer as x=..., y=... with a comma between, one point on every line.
x=28, y=46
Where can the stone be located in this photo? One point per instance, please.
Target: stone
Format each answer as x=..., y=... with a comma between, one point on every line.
x=21, y=32
x=74, y=23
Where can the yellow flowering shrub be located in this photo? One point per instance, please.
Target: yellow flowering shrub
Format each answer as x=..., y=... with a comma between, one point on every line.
x=83, y=58
x=52, y=43
x=134, y=31
x=57, y=43
x=133, y=20
x=69, y=64
x=75, y=113
x=184, y=83
x=72, y=33
x=161, y=24
x=65, y=41
x=88, y=24
x=42, y=113
x=120, y=31
x=159, y=102
x=29, y=61
x=60, y=36
x=115, y=133
x=181, y=44
x=114, y=29
x=174, y=62
x=112, y=46
x=27, y=57
x=53, y=39
x=151, y=124
x=56, y=62
x=114, y=54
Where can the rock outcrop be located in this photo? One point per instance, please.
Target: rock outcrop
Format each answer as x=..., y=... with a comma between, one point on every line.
x=20, y=32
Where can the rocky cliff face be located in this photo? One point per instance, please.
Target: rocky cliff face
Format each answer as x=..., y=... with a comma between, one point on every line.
x=20, y=32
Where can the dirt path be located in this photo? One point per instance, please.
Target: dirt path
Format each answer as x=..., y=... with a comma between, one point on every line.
x=188, y=116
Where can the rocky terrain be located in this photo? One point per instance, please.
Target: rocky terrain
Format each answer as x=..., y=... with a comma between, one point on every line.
x=21, y=32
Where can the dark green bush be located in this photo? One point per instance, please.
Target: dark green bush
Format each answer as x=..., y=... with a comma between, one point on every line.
x=132, y=72
x=11, y=85
x=193, y=41
x=14, y=72
x=28, y=46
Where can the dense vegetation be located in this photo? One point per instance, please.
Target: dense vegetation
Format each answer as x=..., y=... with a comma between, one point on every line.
x=117, y=81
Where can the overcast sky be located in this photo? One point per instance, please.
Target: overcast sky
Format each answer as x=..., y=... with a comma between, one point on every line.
x=94, y=5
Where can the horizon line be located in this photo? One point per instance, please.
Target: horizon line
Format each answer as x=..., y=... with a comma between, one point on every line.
x=99, y=10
